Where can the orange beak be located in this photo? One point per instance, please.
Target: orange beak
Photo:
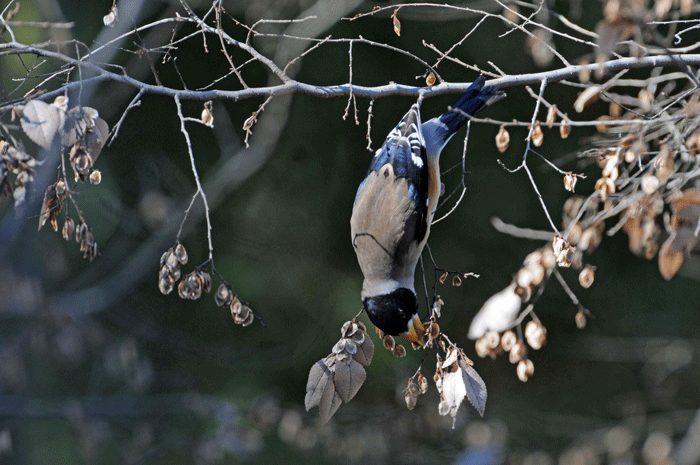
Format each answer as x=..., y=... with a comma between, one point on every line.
x=415, y=331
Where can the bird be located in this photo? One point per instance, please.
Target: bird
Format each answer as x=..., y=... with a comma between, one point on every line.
x=394, y=208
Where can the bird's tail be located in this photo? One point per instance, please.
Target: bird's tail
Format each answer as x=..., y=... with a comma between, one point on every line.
x=473, y=100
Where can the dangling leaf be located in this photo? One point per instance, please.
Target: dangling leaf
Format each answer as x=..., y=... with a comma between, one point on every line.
x=349, y=376
x=475, y=386
x=40, y=121
x=320, y=381
x=453, y=392
x=96, y=138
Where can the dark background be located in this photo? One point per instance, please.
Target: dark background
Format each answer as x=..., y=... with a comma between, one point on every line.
x=97, y=366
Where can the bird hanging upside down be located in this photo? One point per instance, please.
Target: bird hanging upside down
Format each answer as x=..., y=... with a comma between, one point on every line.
x=394, y=208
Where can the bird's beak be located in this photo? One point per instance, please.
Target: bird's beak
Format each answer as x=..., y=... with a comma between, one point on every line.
x=415, y=331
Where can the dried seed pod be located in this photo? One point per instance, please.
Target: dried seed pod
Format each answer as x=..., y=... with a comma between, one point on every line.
x=551, y=116
x=587, y=97
x=518, y=352
x=615, y=110
x=502, y=139
x=537, y=134
x=422, y=383
x=492, y=339
x=205, y=278
x=586, y=276
x=604, y=186
x=481, y=347
x=535, y=334
x=207, y=116
x=397, y=23
x=570, y=181
x=236, y=307
x=580, y=319
x=68, y=228
x=649, y=183
x=565, y=128
x=166, y=284
x=508, y=340
x=180, y=254
x=456, y=281
x=434, y=330
x=361, y=325
x=110, y=19
x=430, y=79
x=525, y=369
x=95, y=177
x=248, y=319
x=388, y=342
x=584, y=74
x=443, y=277
x=223, y=296
x=399, y=351
x=410, y=399
x=379, y=332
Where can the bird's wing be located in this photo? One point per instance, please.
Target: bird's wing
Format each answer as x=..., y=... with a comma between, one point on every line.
x=389, y=219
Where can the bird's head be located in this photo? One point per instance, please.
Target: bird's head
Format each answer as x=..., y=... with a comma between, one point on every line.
x=395, y=314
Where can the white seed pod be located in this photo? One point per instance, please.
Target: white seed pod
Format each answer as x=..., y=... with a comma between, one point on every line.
x=586, y=277
x=110, y=19
x=535, y=334
x=518, y=352
x=508, y=340
x=525, y=369
x=492, y=339
x=570, y=181
x=649, y=183
x=95, y=177
x=482, y=347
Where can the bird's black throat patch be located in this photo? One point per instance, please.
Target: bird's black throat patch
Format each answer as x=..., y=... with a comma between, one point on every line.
x=392, y=312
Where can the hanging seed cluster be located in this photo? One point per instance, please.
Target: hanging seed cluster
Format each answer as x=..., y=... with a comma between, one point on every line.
x=338, y=377
x=18, y=164
x=241, y=313
x=649, y=170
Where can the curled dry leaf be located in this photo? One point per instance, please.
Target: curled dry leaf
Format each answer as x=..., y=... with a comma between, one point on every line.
x=587, y=97
x=397, y=23
x=684, y=223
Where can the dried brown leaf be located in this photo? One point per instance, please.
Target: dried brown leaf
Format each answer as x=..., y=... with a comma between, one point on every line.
x=397, y=23
x=349, y=377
